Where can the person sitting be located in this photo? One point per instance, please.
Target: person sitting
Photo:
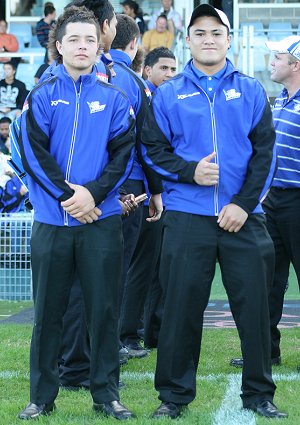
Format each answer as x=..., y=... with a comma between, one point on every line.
x=173, y=17
x=8, y=43
x=4, y=135
x=42, y=68
x=12, y=93
x=132, y=9
x=158, y=37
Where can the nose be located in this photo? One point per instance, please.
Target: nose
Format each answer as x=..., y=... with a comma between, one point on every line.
x=209, y=39
x=83, y=44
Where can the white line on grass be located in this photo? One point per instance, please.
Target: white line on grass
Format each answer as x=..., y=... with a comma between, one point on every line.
x=142, y=376
x=230, y=412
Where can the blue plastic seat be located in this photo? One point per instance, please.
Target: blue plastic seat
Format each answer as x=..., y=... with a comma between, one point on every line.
x=21, y=30
x=279, y=30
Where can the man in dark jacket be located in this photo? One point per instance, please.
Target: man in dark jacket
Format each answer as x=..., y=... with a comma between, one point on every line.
x=124, y=48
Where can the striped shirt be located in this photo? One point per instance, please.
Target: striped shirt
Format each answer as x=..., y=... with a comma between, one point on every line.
x=286, y=117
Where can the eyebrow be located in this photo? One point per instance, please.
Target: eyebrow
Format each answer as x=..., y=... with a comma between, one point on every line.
x=214, y=30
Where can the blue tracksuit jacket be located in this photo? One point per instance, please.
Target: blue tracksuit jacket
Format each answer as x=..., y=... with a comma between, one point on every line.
x=184, y=126
x=82, y=133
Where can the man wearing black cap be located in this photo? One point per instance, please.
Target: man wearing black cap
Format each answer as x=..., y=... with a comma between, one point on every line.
x=209, y=134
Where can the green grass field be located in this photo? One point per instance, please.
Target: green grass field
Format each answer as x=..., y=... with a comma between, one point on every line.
x=217, y=401
x=218, y=385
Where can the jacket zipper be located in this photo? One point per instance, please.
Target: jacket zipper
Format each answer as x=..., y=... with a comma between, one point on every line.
x=216, y=188
x=68, y=171
x=215, y=147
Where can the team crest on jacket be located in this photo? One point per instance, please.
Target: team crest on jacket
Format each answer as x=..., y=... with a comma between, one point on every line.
x=231, y=94
x=95, y=106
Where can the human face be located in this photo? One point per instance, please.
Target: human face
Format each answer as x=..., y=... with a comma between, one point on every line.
x=282, y=68
x=208, y=41
x=9, y=72
x=108, y=33
x=162, y=71
x=128, y=11
x=4, y=130
x=166, y=4
x=161, y=25
x=3, y=27
x=79, y=48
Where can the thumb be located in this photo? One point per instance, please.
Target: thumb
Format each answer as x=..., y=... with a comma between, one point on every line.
x=210, y=157
x=71, y=185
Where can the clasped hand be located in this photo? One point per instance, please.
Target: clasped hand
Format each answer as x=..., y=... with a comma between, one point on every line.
x=81, y=205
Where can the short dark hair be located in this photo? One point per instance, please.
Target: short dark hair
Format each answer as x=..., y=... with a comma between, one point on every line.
x=162, y=16
x=138, y=62
x=127, y=30
x=159, y=52
x=102, y=9
x=4, y=120
x=49, y=9
x=12, y=64
x=71, y=15
x=131, y=4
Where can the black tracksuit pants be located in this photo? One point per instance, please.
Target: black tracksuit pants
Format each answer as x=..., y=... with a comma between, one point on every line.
x=74, y=360
x=191, y=245
x=282, y=207
x=95, y=250
x=140, y=276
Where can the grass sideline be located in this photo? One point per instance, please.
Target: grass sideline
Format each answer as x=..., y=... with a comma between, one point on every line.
x=217, y=401
x=215, y=374
x=8, y=308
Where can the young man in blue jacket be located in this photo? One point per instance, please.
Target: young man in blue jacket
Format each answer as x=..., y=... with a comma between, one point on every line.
x=123, y=51
x=76, y=144
x=209, y=134
x=142, y=287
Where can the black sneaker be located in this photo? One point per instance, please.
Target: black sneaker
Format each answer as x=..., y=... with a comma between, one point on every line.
x=135, y=350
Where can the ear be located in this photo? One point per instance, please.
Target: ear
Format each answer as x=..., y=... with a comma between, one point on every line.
x=229, y=40
x=58, y=46
x=187, y=40
x=105, y=26
x=297, y=66
x=133, y=43
x=148, y=71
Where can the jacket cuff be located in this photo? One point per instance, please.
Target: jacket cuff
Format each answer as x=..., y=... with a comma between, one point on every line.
x=94, y=190
x=248, y=205
x=186, y=175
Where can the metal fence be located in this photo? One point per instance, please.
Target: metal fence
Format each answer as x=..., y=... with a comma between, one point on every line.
x=15, y=272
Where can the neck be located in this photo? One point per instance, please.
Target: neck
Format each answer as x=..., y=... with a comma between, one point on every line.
x=9, y=80
x=292, y=87
x=75, y=74
x=209, y=69
x=48, y=20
